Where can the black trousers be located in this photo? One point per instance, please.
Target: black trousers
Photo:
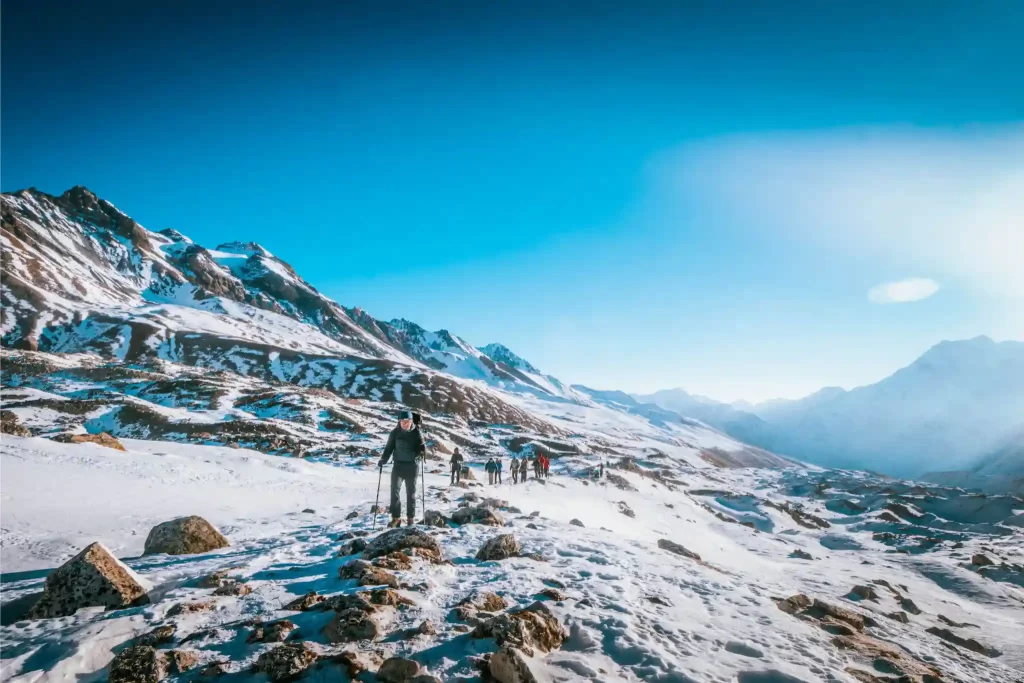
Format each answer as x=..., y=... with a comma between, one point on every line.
x=456, y=474
x=403, y=471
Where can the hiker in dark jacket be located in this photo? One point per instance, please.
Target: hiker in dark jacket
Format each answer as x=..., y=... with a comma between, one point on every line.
x=498, y=466
x=491, y=470
x=456, y=463
x=406, y=444
x=524, y=469
x=515, y=469
x=537, y=467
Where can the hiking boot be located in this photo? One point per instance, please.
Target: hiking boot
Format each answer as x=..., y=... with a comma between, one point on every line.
x=410, y=522
x=396, y=522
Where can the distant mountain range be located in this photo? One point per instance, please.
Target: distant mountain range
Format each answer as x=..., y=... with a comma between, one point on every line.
x=956, y=407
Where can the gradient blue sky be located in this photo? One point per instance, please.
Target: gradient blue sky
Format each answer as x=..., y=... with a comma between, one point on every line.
x=630, y=195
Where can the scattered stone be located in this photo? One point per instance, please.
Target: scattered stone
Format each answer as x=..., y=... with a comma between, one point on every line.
x=980, y=560
x=427, y=628
x=619, y=482
x=794, y=604
x=234, y=589
x=626, y=510
x=908, y=605
x=340, y=603
x=397, y=670
x=138, y=664
x=287, y=661
x=887, y=516
x=478, y=514
x=388, y=597
x=393, y=561
x=305, y=603
x=402, y=538
x=460, y=628
x=508, y=665
x=500, y=547
x=658, y=600
x=864, y=593
x=92, y=578
x=900, y=616
x=274, y=632
x=434, y=518
x=189, y=608
x=184, y=536
x=886, y=657
x=356, y=545
x=801, y=555
x=352, y=515
x=351, y=624
x=535, y=513
x=101, y=439
x=553, y=594
x=533, y=627
x=9, y=424
x=486, y=601
x=531, y=525
x=181, y=661
x=309, y=511
x=575, y=522
x=955, y=624
x=673, y=547
x=161, y=635
x=968, y=643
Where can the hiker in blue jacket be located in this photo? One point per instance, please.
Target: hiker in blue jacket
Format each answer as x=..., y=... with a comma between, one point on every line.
x=491, y=470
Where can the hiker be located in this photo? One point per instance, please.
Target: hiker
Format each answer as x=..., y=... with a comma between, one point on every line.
x=497, y=471
x=547, y=466
x=524, y=469
x=515, y=470
x=536, y=466
x=406, y=443
x=491, y=470
x=602, y=471
x=456, y=463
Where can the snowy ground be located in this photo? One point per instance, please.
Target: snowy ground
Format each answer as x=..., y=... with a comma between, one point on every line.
x=634, y=611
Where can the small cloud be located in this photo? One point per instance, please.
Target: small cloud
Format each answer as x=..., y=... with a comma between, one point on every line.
x=903, y=291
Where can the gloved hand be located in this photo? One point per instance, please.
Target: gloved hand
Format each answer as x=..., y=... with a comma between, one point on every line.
x=380, y=464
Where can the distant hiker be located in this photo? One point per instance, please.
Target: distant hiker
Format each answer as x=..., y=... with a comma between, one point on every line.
x=602, y=471
x=497, y=471
x=406, y=443
x=547, y=465
x=515, y=470
x=524, y=470
x=456, y=463
x=492, y=470
x=537, y=467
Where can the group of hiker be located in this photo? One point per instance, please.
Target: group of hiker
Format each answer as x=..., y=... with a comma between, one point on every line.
x=407, y=447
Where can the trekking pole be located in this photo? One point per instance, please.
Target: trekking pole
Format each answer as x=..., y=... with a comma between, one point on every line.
x=376, y=505
x=423, y=477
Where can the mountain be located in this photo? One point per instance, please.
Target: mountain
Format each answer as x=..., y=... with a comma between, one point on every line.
x=169, y=339
x=956, y=403
x=1002, y=469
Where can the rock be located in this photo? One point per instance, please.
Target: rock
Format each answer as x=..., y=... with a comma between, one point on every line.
x=340, y=603
x=184, y=536
x=356, y=545
x=886, y=657
x=427, y=628
x=508, y=665
x=180, y=661
x=801, y=555
x=899, y=616
x=820, y=609
x=626, y=510
x=397, y=670
x=9, y=424
x=387, y=597
x=535, y=627
x=274, y=632
x=351, y=624
x=673, y=547
x=189, y=608
x=305, y=603
x=575, y=522
x=309, y=511
x=287, y=661
x=531, y=525
x=955, y=624
x=102, y=439
x=486, y=601
x=794, y=604
x=910, y=606
x=434, y=518
x=478, y=515
x=553, y=594
x=980, y=560
x=500, y=547
x=619, y=482
x=352, y=515
x=138, y=664
x=366, y=574
x=968, y=643
x=864, y=593
x=92, y=578
x=394, y=562
x=356, y=662
x=402, y=538
x=233, y=589
x=161, y=635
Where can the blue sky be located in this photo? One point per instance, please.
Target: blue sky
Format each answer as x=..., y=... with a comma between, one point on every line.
x=630, y=195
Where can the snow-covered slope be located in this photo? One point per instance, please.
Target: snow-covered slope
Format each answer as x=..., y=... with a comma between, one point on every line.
x=671, y=573
x=956, y=403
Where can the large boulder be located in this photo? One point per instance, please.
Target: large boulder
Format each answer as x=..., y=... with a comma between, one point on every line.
x=352, y=624
x=478, y=514
x=508, y=665
x=500, y=547
x=92, y=578
x=287, y=661
x=535, y=627
x=403, y=538
x=397, y=670
x=138, y=664
x=184, y=536
x=677, y=549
